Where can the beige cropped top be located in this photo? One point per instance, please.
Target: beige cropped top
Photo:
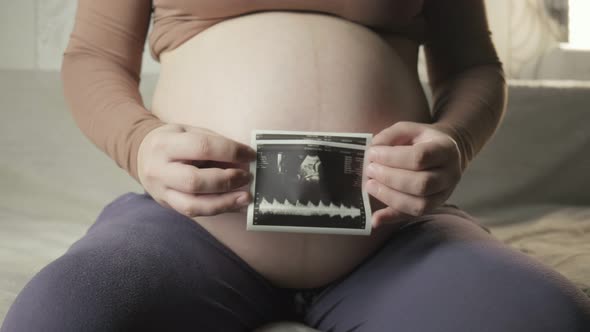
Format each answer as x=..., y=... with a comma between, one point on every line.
x=102, y=62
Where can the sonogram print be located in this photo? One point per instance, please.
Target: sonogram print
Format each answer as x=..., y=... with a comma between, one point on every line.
x=309, y=185
x=309, y=182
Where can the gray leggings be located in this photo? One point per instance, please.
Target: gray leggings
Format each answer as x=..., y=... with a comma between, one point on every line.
x=142, y=267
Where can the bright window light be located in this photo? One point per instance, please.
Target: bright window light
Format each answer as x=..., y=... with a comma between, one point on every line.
x=579, y=23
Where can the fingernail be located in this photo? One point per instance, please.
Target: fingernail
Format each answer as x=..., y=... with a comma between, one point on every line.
x=371, y=169
x=243, y=200
x=251, y=153
x=375, y=223
x=371, y=186
x=371, y=154
x=247, y=154
x=243, y=179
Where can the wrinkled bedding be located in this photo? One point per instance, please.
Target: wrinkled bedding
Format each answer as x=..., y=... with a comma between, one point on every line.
x=559, y=238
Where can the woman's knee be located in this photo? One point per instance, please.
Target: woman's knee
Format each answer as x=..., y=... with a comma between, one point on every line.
x=471, y=274
x=447, y=274
x=100, y=285
x=135, y=260
x=136, y=270
x=519, y=289
x=514, y=292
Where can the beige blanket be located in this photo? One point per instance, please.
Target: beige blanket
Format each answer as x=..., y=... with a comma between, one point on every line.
x=560, y=238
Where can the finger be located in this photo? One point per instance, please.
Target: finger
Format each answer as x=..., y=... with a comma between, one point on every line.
x=192, y=180
x=198, y=130
x=409, y=204
x=401, y=133
x=388, y=215
x=180, y=128
x=416, y=183
x=205, y=205
x=411, y=157
x=219, y=164
x=192, y=146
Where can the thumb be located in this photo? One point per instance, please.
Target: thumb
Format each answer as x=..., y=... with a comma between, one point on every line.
x=401, y=133
x=388, y=215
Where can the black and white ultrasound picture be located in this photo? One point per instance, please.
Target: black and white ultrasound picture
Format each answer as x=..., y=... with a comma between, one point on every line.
x=309, y=185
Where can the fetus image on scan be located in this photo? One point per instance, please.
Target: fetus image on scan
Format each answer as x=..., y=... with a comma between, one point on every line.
x=308, y=186
x=301, y=176
x=309, y=170
x=312, y=184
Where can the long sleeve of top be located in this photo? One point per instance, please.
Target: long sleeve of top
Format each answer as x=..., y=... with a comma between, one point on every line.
x=465, y=74
x=100, y=73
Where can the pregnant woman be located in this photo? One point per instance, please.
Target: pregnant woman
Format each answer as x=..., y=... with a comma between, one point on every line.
x=179, y=258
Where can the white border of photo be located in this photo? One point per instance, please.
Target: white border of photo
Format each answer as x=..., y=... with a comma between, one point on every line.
x=301, y=229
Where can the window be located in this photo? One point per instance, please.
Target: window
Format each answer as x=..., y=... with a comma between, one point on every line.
x=579, y=24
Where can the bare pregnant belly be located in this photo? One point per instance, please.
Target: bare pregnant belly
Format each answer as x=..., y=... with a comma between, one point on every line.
x=290, y=71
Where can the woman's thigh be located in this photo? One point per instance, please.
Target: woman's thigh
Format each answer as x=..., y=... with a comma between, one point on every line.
x=144, y=267
x=445, y=273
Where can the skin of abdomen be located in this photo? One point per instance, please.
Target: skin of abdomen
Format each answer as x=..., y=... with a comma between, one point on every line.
x=290, y=71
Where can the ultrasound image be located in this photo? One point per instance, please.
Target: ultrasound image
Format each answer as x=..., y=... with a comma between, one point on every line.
x=310, y=185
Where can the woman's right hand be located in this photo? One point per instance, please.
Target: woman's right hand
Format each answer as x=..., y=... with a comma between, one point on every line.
x=195, y=171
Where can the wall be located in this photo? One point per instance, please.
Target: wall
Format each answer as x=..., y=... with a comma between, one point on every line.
x=34, y=33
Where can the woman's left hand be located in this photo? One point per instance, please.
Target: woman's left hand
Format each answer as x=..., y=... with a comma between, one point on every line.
x=413, y=168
